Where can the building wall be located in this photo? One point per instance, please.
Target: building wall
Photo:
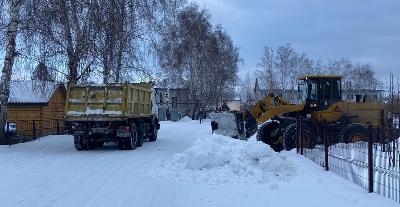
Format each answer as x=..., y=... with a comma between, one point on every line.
x=24, y=116
x=53, y=112
x=372, y=96
x=176, y=102
x=234, y=105
x=44, y=116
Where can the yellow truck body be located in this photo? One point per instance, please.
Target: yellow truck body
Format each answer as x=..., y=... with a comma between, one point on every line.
x=109, y=102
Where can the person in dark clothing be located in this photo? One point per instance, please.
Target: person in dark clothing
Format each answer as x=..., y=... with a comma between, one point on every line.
x=201, y=114
x=250, y=124
x=225, y=107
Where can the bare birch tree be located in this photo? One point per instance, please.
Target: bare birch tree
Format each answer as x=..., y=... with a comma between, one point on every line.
x=268, y=70
x=10, y=54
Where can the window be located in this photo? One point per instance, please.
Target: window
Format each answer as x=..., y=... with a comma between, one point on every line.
x=174, y=103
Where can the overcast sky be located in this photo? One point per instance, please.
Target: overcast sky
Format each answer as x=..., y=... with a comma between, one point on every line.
x=363, y=30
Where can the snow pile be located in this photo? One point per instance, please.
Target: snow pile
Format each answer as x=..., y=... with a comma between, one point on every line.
x=185, y=119
x=219, y=159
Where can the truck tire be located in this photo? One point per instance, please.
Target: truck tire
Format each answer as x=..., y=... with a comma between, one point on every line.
x=121, y=143
x=354, y=132
x=132, y=141
x=98, y=144
x=81, y=143
x=289, y=137
x=140, y=140
x=141, y=134
x=78, y=143
x=154, y=134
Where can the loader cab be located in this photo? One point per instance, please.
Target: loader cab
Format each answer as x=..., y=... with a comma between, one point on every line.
x=320, y=92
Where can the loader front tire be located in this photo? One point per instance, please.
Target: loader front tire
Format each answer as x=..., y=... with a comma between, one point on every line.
x=289, y=137
x=270, y=133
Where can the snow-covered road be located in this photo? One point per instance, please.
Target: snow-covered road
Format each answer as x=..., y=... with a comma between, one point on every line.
x=49, y=172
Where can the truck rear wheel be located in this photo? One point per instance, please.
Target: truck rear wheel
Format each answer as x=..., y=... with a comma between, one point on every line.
x=140, y=135
x=78, y=143
x=121, y=143
x=98, y=144
x=81, y=143
x=154, y=134
x=132, y=141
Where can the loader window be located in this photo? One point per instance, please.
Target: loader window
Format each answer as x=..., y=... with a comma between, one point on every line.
x=325, y=92
x=311, y=88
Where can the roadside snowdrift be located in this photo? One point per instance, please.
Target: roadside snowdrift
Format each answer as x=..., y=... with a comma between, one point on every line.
x=219, y=159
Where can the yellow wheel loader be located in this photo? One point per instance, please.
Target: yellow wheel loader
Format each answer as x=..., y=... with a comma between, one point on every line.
x=322, y=103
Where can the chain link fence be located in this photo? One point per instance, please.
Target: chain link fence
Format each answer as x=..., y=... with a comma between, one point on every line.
x=374, y=164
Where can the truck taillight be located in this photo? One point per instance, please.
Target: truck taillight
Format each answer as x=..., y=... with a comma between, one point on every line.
x=124, y=128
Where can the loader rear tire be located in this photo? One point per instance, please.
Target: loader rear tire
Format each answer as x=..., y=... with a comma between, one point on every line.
x=354, y=132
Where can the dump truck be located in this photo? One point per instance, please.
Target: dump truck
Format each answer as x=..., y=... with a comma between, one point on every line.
x=123, y=113
x=321, y=103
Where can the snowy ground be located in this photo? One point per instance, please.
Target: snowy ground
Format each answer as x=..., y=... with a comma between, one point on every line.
x=176, y=170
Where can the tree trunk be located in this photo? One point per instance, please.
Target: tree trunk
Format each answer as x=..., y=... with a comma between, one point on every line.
x=73, y=69
x=8, y=65
x=73, y=61
x=119, y=63
x=106, y=68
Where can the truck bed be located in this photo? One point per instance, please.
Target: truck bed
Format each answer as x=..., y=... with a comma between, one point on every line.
x=108, y=102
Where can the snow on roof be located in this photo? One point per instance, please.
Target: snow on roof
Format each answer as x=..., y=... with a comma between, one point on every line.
x=28, y=91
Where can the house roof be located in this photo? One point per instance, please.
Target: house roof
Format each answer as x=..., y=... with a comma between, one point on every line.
x=320, y=76
x=32, y=92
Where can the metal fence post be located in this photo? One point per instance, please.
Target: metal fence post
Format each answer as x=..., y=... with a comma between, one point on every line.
x=370, y=162
x=297, y=135
x=8, y=136
x=58, y=127
x=326, y=148
x=301, y=140
x=394, y=145
x=34, y=129
x=382, y=129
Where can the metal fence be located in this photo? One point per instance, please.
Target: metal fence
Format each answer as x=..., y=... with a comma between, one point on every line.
x=23, y=131
x=373, y=164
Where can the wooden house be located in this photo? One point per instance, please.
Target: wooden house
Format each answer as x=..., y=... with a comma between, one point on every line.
x=36, y=107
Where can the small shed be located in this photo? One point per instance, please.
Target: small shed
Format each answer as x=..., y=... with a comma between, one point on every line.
x=36, y=107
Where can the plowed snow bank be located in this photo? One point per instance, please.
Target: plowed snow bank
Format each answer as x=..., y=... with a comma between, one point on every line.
x=219, y=159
